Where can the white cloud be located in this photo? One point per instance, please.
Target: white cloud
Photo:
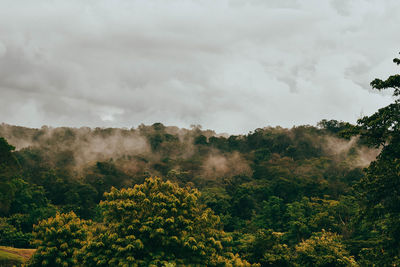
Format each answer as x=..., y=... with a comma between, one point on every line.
x=229, y=65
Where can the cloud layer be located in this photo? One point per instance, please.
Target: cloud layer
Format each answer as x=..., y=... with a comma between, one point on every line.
x=231, y=66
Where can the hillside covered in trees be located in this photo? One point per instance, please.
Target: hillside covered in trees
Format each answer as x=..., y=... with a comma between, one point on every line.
x=305, y=196
x=276, y=186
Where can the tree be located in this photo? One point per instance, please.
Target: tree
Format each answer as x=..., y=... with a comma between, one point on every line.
x=323, y=249
x=380, y=188
x=383, y=128
x=6, y=156
x=158, y=224
x=271, y=215
x=266, y=248
x=11, y=236
x=334, y=126
x=8, y=169
x=58, y=240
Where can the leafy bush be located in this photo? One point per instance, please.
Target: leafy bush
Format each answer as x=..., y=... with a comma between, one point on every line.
x=158, y=224
x=323, y=249
x=58, y=240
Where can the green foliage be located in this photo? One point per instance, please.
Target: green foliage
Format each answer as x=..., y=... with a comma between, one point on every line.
x=272, y=214
x=219, y=201
x=11, y=236
x=308, y=216
x=157, y=223
x=323, y=249
x=8, y=170
x=29, y=205
x=11, y=257
x=335, y=127
x=266, y=248
x=200, y=140
x=392, y=81
x=6, y=156
x=290, y=181
x=8, y=259
x=379, y=189
x=58, y=240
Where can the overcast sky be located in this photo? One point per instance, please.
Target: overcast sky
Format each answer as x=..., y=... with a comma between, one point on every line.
x=228, y=65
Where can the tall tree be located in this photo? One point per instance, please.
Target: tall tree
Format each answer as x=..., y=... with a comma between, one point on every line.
x=380, y=188
x=8, y=170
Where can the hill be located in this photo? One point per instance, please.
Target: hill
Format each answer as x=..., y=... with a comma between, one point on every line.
x=276, y=184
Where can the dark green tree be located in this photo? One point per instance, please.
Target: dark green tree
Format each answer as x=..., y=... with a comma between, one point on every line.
x=266, y=248
x=8, y=170
x=380, y=188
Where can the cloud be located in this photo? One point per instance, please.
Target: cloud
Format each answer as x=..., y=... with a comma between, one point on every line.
x=229, y=65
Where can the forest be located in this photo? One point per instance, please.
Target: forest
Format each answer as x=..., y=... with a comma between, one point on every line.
x=156, y=195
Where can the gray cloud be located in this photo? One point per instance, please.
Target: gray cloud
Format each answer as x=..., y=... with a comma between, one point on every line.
x=229, y=65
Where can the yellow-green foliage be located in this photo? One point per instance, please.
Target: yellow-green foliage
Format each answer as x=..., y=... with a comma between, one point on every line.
x=10, y=256
x=58, y=239
x=158, y=224
x=10, y=259
x=323, y=249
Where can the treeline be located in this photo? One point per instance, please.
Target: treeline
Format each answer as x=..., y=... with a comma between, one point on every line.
x=242, y=171
x=306, y=196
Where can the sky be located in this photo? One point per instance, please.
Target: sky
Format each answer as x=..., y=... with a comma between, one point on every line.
x=228, y=65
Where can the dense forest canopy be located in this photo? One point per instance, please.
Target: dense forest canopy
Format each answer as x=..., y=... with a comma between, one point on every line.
x=273, y=180
x=325, y=195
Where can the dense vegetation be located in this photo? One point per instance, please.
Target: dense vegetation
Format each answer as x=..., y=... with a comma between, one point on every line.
x=306, y=196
